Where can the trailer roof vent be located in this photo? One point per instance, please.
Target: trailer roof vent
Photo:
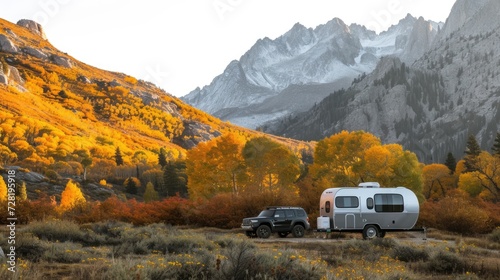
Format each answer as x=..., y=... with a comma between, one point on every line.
x=369, y=185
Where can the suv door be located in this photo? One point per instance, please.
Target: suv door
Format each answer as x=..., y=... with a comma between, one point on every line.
x=290, y=217
x=279, y=220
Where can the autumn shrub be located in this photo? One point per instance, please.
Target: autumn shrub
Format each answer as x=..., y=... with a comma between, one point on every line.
x=383, y=242
x=238, y=260
x=493, y=210
x=110, y=228
x=28, y=246
x=446, y=263
x=409, y=254
x=183, y=244
x=495, y=235
x=56, y=230
x=457, y=214
x=219, y=211
x=65, y=252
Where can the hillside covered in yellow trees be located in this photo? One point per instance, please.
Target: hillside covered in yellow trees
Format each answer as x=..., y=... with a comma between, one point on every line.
x=56, y=111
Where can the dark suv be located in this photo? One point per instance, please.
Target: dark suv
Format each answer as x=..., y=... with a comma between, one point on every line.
x=280, y=219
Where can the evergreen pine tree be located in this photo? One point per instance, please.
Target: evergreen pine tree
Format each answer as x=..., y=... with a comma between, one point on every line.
x=162, y=158
x=131, y=186
x=472, y=151
x=171, y=180
x=118, y=157
x=175, y=178
x=472, y=148
x=496, y=145
x=451, y=163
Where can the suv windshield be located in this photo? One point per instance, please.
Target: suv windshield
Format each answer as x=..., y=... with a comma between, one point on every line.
x=267, y=213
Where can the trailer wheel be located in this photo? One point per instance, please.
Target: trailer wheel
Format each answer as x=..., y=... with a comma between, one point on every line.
x=298, y=231
x=370, y=232
x=263, y=231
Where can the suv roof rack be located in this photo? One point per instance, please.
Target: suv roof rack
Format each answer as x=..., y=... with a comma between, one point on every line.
x=282, y=207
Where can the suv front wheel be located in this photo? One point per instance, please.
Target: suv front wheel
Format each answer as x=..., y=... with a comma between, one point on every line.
x=263, y=231
x=298, y=231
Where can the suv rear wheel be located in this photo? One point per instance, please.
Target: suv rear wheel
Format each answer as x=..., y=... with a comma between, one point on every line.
x=298, y=231
x=263, y=231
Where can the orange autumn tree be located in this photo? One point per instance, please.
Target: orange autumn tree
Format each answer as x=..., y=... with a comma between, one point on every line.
x=437, y=181
x=71, y=197
x=216, y=166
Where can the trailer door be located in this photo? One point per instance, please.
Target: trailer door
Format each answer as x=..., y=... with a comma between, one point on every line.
x=347, y=212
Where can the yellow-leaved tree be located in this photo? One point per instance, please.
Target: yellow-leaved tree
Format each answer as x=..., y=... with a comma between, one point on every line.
x=71, y=197
x=150, y=194
x=349, y=158
x=3, y=190
x=216, y=166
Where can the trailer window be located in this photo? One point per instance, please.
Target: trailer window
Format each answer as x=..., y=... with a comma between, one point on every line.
x=389, y=203
x=327, y=207
x=346, y=202
x=369, y=203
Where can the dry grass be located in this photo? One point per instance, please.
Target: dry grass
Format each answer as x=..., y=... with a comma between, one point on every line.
x=165, y=252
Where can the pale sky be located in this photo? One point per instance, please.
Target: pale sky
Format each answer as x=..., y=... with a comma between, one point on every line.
x=182, y=44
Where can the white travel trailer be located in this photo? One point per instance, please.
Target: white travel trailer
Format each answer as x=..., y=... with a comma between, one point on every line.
x=368, y=209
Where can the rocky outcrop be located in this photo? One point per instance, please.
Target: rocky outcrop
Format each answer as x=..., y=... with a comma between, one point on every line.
x=6, y=44
x=3, y=79
x=420, y=40
x=35, y=52
x=33, y=27
x=15, y=76
x=61, y=61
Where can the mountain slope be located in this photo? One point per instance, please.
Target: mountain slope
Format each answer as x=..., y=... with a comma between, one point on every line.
x=303, y=66
x=55, y=108
x=430, y=106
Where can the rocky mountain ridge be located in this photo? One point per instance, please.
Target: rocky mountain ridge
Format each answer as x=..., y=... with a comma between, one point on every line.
x=430, y=106
x=303, y=66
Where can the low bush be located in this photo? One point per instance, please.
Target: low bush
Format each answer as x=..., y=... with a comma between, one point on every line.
x=384, y=242
x=446, y=263
x=56, y=230
x=409, y=254
x=495, y=235
x=28, y=247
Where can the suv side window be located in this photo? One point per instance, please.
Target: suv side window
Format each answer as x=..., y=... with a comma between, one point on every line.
x=300, y=213
x=279, y=214
x=290, y=213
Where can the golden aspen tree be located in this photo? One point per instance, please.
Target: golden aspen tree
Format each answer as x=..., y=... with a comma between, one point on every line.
x=21, y=192
x=71, y=197
x=150, y=194
x=437, y=181
x=339, y=158
x=3, y=190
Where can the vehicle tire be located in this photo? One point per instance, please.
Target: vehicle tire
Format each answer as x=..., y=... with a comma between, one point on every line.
x=370, y=232
x=263, y=231
x=283, y=234
x=298, y=231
